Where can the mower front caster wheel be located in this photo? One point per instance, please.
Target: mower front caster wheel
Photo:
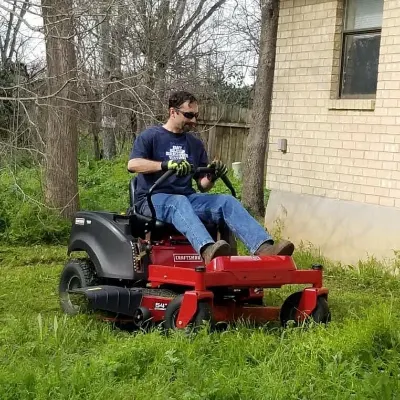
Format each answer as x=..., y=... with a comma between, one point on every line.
x=320, y=315
x=203, y=314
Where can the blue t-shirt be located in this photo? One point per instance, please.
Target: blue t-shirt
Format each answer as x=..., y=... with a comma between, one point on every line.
x=158, y=144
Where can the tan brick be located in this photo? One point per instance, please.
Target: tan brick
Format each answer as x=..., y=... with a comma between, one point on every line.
x=319, y=191
x=363, y=146
x=395, y=193
x=386, y=182
x=368, y=190
x=349, y=144
x=360, y=197
x=390, y=165
x=379, y=191
x=330, y=152
x=370, y=172
x=307, y=190
x=360, y=154
x=386, y=156
x=345, y=195
x=360, y=180
x=386, y=201
x=343, y=153
x=372, y=155
x=372, y=199
x=346, y=178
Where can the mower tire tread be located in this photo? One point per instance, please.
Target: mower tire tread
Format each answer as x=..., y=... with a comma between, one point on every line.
x=203, y=313
x=320, y=314
x=83, y=272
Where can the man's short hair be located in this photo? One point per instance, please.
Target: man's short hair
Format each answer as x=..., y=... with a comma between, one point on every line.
x=178, y=98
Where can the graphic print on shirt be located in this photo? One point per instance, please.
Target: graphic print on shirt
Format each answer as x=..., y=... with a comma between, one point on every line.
x=177, y=153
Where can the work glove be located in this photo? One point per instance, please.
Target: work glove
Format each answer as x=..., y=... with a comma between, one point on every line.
x=220, y=169
x=181, y=167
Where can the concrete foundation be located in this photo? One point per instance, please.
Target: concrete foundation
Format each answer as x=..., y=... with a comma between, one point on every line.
x=344, y=231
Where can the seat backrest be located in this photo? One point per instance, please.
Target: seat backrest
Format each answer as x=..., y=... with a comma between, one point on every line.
x=132, y=187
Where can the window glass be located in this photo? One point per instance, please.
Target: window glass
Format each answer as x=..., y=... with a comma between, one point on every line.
x=363, y=14
x=360, y=69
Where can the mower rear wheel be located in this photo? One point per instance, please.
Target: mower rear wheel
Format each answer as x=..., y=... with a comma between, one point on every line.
x=320, y=314
x=203, y=314
x=76, y=274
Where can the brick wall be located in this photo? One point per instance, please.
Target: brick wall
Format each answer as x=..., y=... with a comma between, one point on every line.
x=342, y=149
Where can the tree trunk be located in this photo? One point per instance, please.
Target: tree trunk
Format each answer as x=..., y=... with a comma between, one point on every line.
x=159, y=89
x=108, y=120
x=162, y=59
x=256, y=151
x=62, y=129
x=145, y=115
x=94, y=114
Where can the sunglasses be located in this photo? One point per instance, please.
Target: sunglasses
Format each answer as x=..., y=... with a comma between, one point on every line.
x=188, y=115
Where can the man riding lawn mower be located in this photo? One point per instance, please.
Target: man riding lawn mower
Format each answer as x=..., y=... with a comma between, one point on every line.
x=169, y=147
x=171, y=258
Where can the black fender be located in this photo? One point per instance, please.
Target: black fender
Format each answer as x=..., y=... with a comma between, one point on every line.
x=106, y=238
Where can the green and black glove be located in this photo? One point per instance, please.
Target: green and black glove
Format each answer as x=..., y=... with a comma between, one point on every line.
x=220, y=169
x=181, y=167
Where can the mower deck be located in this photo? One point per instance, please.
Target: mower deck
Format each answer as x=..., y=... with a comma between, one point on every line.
x=232, y=273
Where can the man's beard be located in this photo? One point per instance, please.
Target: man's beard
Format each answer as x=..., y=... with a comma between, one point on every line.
x=187, y=127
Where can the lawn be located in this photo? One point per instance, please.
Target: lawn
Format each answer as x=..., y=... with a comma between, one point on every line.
x=46, y=355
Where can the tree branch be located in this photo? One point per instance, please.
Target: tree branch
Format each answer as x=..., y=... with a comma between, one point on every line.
x=8, y=34
x=177, y=20
x=210, y=12
x=19, y=18
x=24, y=9
x=190, y=21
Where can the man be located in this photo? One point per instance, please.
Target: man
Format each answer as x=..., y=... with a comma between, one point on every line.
x=170, y=146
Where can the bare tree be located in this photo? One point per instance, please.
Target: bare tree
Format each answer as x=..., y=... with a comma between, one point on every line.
x=256, y=150
x=131, y=54
x=110, y=75
x=165, y=29
x=16, y=16
x=19, y=78
x=247, y=26
x=61, y=133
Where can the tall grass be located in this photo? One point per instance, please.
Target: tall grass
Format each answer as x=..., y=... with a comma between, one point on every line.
x=103, y=185
x=46, y=355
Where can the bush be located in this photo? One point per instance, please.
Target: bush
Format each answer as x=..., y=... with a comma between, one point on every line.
x=23, y=217
x=103, y=185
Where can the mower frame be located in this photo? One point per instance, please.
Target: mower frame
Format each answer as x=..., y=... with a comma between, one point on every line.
x=143, y=268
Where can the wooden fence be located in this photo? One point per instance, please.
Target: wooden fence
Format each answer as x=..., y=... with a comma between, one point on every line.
x=224, y=131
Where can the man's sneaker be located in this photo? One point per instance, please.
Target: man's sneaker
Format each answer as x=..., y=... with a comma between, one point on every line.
x=217, y=249
x=283, y=248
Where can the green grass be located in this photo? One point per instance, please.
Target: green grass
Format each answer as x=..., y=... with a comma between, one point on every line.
x=103, y=185
x=46, y=355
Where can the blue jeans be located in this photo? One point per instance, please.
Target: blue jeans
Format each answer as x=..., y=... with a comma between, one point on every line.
x=187, y=212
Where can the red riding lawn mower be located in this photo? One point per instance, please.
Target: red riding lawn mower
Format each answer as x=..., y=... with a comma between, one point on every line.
x=141, y=271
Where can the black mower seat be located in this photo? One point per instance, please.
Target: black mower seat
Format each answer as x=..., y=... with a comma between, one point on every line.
x=159, y=225
x=133, y=209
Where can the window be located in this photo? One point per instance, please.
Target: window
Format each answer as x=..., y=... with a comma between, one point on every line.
x=361, y=42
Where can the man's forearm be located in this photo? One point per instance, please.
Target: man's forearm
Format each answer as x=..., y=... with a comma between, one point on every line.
x=141, y=165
